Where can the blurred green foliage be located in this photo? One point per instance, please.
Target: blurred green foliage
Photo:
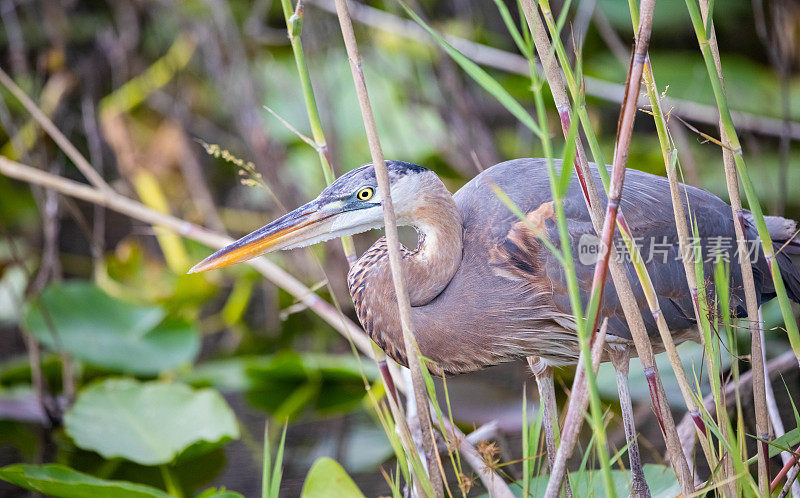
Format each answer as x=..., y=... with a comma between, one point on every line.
x=168, y=368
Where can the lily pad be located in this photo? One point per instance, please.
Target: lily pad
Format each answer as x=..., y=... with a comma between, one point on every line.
x=287, y=384
x=219, y=493
x=103, y=331
x=660, y=479
x=327, y=479
x=62, y=481
x=149, y=423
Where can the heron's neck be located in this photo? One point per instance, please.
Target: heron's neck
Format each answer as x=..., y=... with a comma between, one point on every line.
x=432, y=265
x=427, y=270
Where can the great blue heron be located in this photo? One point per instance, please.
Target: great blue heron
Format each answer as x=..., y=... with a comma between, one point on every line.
x=484, y=289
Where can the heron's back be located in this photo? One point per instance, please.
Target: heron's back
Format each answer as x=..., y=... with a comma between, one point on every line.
x=647, y=205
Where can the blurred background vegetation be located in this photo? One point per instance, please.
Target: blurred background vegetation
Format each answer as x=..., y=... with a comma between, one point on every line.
x=142, y=88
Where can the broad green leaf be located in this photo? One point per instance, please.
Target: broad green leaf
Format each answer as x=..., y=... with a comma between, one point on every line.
x=12, y=292
x=225, y=374
x=327, y=479
x=287, y=384
x=219, y=493
x=101, y=330
x=62, y=481
x=149, y=423
x=788, y=440
x=661, y=480
x=243, y=373
x=191, y=473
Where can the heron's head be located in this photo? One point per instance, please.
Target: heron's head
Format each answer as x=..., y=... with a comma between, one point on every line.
x=350, y=205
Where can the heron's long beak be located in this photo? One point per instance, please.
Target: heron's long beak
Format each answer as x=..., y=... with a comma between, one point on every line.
x=306, y=222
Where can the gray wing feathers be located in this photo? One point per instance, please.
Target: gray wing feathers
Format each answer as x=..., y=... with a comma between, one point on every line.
x=648, y=209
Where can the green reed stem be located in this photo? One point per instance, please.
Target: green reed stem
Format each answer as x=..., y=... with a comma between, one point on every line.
x=574, y=294
x=171, y=481
x=578, y=97
x=294, y=28
x=723, y=429
x=566, y=120
x=670, y=163
x=749, y=190
x=633, y=249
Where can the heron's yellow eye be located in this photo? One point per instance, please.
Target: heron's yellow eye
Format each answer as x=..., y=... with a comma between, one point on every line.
x=365, y=194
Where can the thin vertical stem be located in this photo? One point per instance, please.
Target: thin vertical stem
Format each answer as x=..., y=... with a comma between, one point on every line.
x=578, y=402
x=791, y=481
x=683, y=238
x=63, y=142
x=624, y=133
x=382, y=176
x=785, y=470
x=619, y=277
x=583, y=333
x=757, y=355
x=710, y=53
x=547, y=398
x=772, y=408
x=621, y=362
x=170, y=481
x=294, y=28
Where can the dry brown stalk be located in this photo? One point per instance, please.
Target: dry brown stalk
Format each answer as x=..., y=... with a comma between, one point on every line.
x=791, y=480
x=624, y=133
x=547, y=398
x=778, y=429
x=624, y=290
x=785, y=470
x=579, y=401
x=683, y=238
x=492, y=481
x=621, y=361
x=551, y=71
x=63, y=143
x=756, y=353
x=393, y=242
x=691, y=278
